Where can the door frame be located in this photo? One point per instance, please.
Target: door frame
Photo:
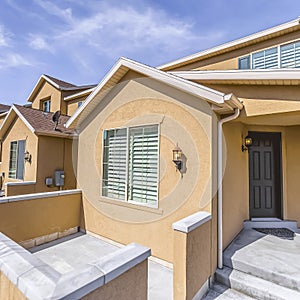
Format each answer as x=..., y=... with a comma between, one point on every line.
x=280, y=171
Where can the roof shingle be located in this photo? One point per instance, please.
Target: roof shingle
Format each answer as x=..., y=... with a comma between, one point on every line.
x=42, y=121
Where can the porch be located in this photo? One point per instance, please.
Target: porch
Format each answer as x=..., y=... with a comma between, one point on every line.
x=262, y=262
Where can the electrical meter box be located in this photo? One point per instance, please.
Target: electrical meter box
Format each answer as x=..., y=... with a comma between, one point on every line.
x=59, y=178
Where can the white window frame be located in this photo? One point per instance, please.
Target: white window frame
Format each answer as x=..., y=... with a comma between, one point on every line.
x=126, y=200
x=278, y=53
x=46, y=104
x=17, y=160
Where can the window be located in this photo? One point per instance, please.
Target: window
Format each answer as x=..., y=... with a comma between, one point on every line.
x=282, y=56
x=130, y=164
x=46, y=105
x=266, y=59
x=16, y=160
x=244, y=62
x=79, y=104
x=290, y=55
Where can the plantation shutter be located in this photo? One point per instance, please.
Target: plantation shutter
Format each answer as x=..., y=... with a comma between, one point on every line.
x=13, y=160
x=267, y=59
x=290, y=55
x=114, y=163
x=20, y=160
x=143, y=165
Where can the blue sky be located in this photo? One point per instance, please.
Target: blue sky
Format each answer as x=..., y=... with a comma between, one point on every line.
x=79, y=40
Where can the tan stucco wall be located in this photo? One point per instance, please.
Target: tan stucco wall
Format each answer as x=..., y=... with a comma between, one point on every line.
x=54, y=154
x=133, y=284
x=19, y=131
x=73, y=105
x=28, y=219
x=8, y=290
x=192, y=261
x=235, y=182
x=229, y=60
x=292, y=173
x=182, y=119
x=236, y=177
x=47, y=91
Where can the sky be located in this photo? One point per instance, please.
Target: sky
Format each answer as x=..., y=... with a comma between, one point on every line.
x=80, y=40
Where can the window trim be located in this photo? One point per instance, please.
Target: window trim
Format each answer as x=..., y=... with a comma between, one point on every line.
x=17, y=159
x=43, y=104
x=156, y=205
x=264, y=49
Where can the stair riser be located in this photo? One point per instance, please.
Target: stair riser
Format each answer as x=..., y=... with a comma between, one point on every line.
x=255, y=287
x=283, y=224
x=276, y=278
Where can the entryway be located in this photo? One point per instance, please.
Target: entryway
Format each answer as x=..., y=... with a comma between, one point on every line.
x=265, y=183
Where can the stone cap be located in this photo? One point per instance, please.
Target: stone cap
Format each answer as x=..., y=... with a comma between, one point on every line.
x=37, y=280
x=192, y=222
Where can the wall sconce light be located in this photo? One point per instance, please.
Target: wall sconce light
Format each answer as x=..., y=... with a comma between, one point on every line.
x=27, y=156
x=247, y=143
x=177, y=157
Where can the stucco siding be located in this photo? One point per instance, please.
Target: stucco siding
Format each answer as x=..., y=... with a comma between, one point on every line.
x=183, y=119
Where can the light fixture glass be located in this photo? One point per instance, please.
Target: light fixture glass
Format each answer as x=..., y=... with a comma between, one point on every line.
x=177, y=157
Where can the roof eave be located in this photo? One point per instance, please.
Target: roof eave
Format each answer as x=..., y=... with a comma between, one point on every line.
x=207, y=94
x=235, y=43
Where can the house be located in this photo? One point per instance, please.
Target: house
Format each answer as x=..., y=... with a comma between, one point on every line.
x=185, y=159
x=35, y=144
x=211, y=139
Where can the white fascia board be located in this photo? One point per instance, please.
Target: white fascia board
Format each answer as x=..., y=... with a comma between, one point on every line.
x=23, y=119
x=51, y=81
x=237, y=42
x=43, y=77
x=14, y=110
x=77, y=95
x=267, y=74
x=198, y=90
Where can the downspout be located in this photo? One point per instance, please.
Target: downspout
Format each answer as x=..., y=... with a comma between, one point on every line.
x=220, y=184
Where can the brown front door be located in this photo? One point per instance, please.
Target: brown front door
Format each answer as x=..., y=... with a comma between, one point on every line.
x=265, y=175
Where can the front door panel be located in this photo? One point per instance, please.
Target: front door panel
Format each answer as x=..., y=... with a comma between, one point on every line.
x=265, y=174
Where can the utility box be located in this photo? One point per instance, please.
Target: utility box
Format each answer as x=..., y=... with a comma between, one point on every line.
x=49, y=181
x=59, y=178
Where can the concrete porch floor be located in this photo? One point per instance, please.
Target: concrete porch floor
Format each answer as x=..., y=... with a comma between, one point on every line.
x=74, y=251
x=271, y=258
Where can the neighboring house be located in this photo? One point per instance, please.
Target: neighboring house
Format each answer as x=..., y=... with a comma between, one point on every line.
x=234, y=111
x=3, y=111
x=33, y=147
x=51, y=94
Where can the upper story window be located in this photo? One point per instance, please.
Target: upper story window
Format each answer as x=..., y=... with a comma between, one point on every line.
x=16, y=160
x=290, y=55
x=266, y=59
x=130, y=164
x=281, y=56
x=46, y=105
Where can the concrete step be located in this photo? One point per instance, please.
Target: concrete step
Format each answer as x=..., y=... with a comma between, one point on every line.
x=219, y=291
x=271, y=223
x=270, y=258
x=226, y=295
x=253, y=286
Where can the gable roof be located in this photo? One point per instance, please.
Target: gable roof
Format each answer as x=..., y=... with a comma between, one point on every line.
x=37, y=121
x=79, y=94
x=239, y=43
x=4, y=108
x=123, y=65
x=58, y=84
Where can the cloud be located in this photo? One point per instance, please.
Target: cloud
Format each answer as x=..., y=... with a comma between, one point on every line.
x=52, y=9
x=13, y=60
x=5, y=36
x=121, y=30
x=38, y=42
